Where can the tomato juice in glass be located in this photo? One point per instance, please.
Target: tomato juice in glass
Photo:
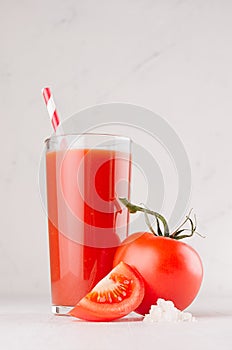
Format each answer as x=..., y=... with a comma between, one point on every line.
x=86, y=174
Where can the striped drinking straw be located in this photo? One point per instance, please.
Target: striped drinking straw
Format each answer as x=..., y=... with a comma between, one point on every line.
x=51, y=107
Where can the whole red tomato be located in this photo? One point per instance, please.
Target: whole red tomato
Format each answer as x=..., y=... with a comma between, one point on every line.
x=171, y=269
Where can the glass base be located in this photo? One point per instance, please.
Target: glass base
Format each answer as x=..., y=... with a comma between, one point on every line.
x=61, y=309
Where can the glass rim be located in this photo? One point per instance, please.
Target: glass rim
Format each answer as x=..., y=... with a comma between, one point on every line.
x=116, y=136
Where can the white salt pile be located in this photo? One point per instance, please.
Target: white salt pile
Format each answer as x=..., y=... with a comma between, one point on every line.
x=165, y=311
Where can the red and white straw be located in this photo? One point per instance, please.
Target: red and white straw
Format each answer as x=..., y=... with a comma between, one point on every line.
x=51, y=107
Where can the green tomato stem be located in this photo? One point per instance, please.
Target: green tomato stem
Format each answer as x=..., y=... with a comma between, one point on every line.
x=134, y=208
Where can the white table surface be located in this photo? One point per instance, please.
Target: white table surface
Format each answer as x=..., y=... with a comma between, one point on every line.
x=27, y=323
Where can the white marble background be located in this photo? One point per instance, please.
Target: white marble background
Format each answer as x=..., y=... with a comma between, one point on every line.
x=173, y=57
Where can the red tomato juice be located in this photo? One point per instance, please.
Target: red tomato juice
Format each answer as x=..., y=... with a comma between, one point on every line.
x=85, y=220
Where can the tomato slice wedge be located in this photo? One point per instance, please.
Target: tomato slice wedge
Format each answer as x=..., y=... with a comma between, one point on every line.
x=115, y=296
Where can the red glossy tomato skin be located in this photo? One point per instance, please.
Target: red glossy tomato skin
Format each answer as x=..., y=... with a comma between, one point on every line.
x=171, y=269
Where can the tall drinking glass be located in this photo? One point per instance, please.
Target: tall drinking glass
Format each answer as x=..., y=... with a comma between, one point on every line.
x=86, y=174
